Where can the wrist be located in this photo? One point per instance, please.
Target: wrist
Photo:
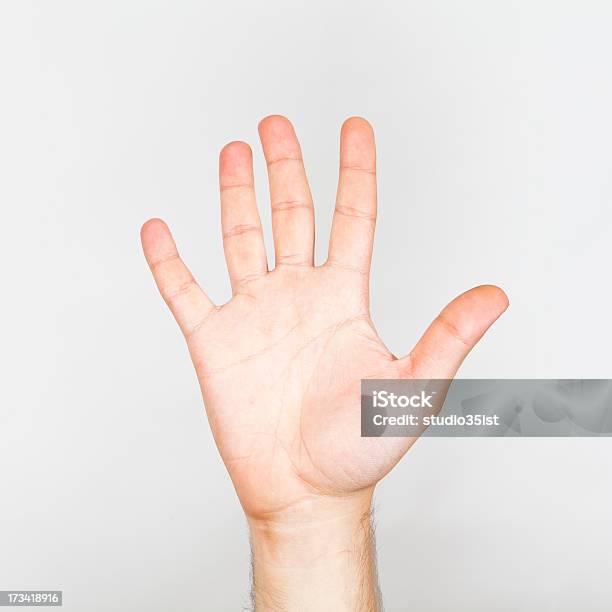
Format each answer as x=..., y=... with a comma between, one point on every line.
x=318, y=555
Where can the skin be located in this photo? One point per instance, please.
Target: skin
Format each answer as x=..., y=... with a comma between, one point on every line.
x=280, y=366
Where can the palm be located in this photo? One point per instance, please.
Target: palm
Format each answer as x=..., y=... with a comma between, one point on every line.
x=280, y=364
x=280, y=367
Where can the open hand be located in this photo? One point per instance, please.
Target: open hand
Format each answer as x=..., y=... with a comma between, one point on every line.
x=280, y=364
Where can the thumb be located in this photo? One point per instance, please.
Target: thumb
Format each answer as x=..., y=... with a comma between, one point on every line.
x=453, y=333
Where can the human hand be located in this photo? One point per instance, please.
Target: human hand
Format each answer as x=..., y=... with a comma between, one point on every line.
x=280, y=364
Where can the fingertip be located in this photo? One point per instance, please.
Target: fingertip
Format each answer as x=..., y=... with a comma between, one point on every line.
x=157, y=240
x=357, y=144
x=273, y=123
x=151, y=228
x=358, y=134
x=357, y=123
x=235, y=152
x=278, y=138
x=238, y=147
x=474, y=311
x=236, y=164
x=502, y=296
x=495, y=296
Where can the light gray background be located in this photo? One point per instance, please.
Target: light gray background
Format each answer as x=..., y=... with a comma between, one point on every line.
x=494, y=130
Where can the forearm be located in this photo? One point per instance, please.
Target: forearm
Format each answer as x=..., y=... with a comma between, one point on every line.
x=321, y=559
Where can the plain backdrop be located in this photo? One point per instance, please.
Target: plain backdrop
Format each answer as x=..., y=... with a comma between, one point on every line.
x=494, y=131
